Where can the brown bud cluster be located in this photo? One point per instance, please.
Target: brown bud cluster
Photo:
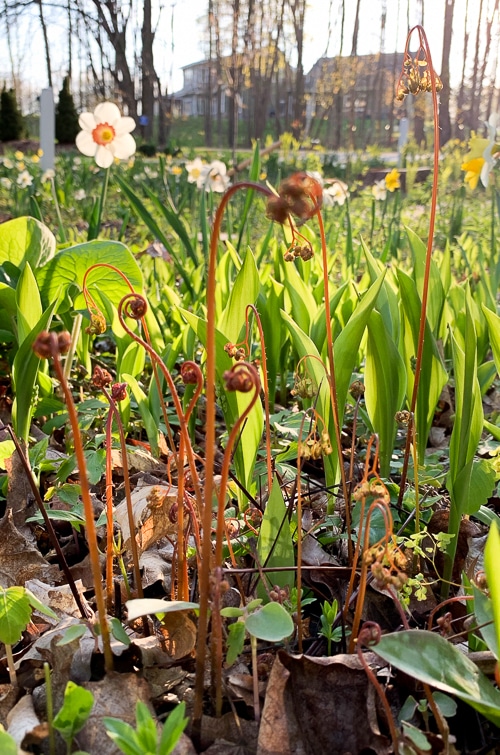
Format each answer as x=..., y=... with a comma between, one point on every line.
x=234, y=351
x=304, y=251
x=189, y=373
x=101, y=378
x=357, y=389
x=300, y=195
x=303, y=387
x=239, y=379
x=416, y=77
x=137, y=307
x=49, y=345
x=119, y=391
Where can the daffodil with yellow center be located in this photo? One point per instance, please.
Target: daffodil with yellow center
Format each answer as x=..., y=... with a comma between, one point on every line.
x=392, y=181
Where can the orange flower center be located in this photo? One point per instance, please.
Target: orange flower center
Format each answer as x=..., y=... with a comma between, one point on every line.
x=103, y=134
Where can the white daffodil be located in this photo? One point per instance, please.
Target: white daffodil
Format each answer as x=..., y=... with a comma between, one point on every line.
x=336, y=193
x=79, y=195
x=5, y=183
x=214, y=177
x=379, y=190
x=24, y=179
x=106, y=135
x=48, y=175
x=490, y=149
x=8, y=163
x=194, y=170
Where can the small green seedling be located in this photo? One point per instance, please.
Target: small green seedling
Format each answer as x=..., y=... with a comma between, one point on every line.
x=145, y=738
x=74, y=713
x=328, y=616
x=8, y=744
x=16, y=605
x=270, y=622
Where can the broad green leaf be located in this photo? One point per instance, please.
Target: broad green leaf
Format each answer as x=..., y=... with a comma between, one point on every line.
x=172, y=729
x=8, y=745
x=303, y=303
x=387, y=301
x=233, y=405
x=483, y=611
x=493, y=322
x=244, y=291
x=466, y=432
x=70, y=265
x=75, y=711
x=144, y=606
x=431, y=659
x=482, y=483
x=15, y=614
x=433, y=376
x=491, y=561
x=235, y=641
x=25, y=240
x=155, y=229
x=385, y=386
x=275, y=544
x=24, y=375
x=28, y=304
x=118, y=631
x=435, y=300
x=150, y=425
x=271, y=623
x=96, y=464
x=37, y=605
x=7, y=448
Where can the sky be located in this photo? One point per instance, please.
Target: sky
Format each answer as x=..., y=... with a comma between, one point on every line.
x=180, y=37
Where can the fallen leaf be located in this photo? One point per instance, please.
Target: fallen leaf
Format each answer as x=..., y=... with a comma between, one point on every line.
x=21, y=561
x=320, y=705
x=151, y=506
x=177, y=634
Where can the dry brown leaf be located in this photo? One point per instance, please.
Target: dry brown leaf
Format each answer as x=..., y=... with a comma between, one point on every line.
x=60, y=598
x=21, y=561
x=116, y=695
x=151, y=506
x=177, y=634
x=138, y=460
x=22, y=720
x=317, y=706
x=8, y=696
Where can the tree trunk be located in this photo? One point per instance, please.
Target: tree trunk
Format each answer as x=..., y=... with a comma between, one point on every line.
x=148, y=73
x=45, y=41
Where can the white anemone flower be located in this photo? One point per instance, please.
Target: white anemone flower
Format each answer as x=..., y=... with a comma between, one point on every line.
x=489, y=160
x=24, y=179
x=106, y=135
x=214, y=177
x=337, y=193
x=5, y=183
x=379, y=190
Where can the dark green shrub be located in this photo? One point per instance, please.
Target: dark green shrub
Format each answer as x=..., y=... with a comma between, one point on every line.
x=66, y=116
x=148, y=150
x=11, y=120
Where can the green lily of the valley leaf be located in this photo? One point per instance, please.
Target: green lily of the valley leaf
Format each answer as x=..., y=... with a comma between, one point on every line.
x=271, y=623
x=275, y=544
x=431, y=659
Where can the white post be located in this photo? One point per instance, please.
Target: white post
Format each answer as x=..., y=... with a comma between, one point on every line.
x=47, y=129
x=404, y=125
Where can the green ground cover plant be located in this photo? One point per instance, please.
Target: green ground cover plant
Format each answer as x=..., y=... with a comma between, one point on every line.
x=265, y=412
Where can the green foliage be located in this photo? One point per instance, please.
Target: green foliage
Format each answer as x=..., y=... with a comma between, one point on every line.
x=431, y=659
x=11, y=120
x=275, y=545
x=67, y=126
x=144, y=739
x=16, y=605
x=72, y=717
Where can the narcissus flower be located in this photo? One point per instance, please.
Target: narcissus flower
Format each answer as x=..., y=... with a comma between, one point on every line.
x=379, y=190
x=106, y=135
x=24, y=179
x=480, y=159
x=194, y=170
x=392, y=181
x=335, y=193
